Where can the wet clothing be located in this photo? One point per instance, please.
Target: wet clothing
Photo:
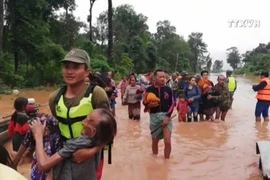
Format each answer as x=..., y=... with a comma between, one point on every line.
x=17, y=129
x=155, y=124
x=262, y=108
x=69, y=170
x=122, y=86
x=113, y=96
x=231, y=84
x=173, y=84
x=204, y=90
x=165, y=95
x=52, y=142
x=99, y=99
x=182, y=84
x=174, y=87
x=263, y=90
x=260, y=86
x=205, y=85
x=182, y=108
x=223, y=98
x=131, y=93
x=194, y=93
x=134, y=103
x=99, y=169
x=209, y=105
x=165, y=108
x=17, y=140
x=263, y=97
x=134, y=110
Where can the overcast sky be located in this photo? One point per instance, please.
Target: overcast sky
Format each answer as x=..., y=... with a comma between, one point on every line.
x=211, y=17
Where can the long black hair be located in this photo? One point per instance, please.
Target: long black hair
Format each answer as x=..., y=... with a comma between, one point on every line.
x=20, y=104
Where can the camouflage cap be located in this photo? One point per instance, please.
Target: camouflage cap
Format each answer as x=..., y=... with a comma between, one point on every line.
x=78, y=56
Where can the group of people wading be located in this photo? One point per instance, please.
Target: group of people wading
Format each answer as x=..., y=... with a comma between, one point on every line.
x=72, y=140
x=191, y=95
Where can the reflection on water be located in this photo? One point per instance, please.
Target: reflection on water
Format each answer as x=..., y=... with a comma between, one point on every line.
x=204, y=151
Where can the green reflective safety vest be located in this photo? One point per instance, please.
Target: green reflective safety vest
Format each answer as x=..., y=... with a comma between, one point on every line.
x=231, y=84
x=70, y=119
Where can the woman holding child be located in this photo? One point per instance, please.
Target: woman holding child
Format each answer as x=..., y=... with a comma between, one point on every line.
x=206, y=107
x=133, y=97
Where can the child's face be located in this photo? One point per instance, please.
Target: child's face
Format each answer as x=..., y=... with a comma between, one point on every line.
x=90, y=123
x=182, y=99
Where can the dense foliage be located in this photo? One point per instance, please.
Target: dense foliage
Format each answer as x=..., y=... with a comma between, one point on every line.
x=34, y=37
x=252, y=62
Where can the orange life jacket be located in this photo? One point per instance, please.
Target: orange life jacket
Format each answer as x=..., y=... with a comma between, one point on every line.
x=264, y=94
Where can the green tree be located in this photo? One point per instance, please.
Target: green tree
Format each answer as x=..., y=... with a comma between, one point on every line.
x=171, y=47
x=217, y=66
x=138, y=54
x=233, y=57
x=198, y=48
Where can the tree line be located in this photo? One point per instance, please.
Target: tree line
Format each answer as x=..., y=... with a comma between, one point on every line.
x=34, y=37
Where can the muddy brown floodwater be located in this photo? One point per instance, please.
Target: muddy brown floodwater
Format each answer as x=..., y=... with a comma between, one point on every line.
x=202, y=150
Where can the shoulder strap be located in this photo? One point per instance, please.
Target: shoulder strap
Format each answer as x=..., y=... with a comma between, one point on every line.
x=64, y=88
x=89, y=90
x=61, y=91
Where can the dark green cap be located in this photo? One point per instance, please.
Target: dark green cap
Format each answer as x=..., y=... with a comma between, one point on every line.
x=78, y=56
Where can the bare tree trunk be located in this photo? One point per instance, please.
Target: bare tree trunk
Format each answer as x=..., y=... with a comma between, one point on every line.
x=1, y=24
x=110, y=33
x=90, y=20
x=15, y=43
x=68, y=45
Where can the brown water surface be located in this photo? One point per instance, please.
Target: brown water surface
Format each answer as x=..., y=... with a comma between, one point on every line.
x=203, y=151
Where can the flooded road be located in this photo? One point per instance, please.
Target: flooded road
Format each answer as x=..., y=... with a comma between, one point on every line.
x=202, y=150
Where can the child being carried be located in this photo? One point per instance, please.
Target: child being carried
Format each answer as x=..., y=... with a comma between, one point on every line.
x=149, y=97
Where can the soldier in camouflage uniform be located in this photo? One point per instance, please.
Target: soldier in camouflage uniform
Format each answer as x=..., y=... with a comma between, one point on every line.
x=173, y=84
x=223, y=99
x=182, y=83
